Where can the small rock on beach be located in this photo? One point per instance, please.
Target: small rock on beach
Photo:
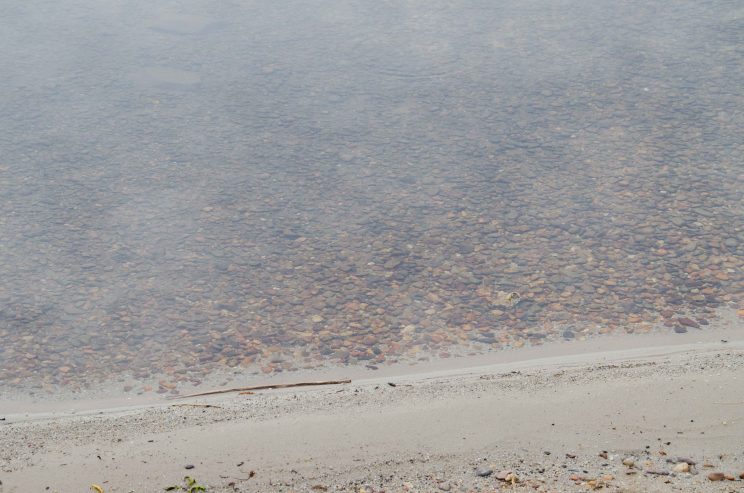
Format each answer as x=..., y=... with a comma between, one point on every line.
x=716, y=476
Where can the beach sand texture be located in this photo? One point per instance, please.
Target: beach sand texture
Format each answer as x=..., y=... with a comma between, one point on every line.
x=564, y=423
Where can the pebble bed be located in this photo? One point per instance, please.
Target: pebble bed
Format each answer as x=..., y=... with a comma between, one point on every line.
x=268, y=188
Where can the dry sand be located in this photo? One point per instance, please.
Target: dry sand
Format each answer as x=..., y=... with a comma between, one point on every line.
x=559, y=421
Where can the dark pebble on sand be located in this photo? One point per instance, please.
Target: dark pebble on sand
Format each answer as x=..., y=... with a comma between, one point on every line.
x=483, y=472
x=680, y=329
x=677, y=460
x=189, y=466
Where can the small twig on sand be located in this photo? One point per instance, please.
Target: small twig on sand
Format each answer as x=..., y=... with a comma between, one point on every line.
x=195, y=405
x=263, y=387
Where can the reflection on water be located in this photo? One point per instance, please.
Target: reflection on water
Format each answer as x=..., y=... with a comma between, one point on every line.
x=188, y=186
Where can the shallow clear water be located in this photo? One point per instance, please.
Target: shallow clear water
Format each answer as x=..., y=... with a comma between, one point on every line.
x=189, y=186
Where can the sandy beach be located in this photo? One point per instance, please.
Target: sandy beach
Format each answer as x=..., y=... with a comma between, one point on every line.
x=557, y=419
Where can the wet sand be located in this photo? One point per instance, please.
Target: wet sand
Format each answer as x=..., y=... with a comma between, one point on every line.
x=556, y=423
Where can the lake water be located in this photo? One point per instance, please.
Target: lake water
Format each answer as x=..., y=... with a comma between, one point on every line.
x=193, y=186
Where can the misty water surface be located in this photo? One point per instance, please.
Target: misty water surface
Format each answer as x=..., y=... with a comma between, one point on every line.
x=196, y=185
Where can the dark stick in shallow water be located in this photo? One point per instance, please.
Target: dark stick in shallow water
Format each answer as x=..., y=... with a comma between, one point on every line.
x=263, y=387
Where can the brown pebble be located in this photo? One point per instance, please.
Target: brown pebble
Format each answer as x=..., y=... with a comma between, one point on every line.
x=741, y=476
x=688, y=322
x=716, y=476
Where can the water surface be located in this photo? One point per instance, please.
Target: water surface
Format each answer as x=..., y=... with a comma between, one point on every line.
x=192, y=186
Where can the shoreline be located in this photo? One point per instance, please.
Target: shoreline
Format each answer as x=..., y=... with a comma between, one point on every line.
x=428, y=432
x=725, y=327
